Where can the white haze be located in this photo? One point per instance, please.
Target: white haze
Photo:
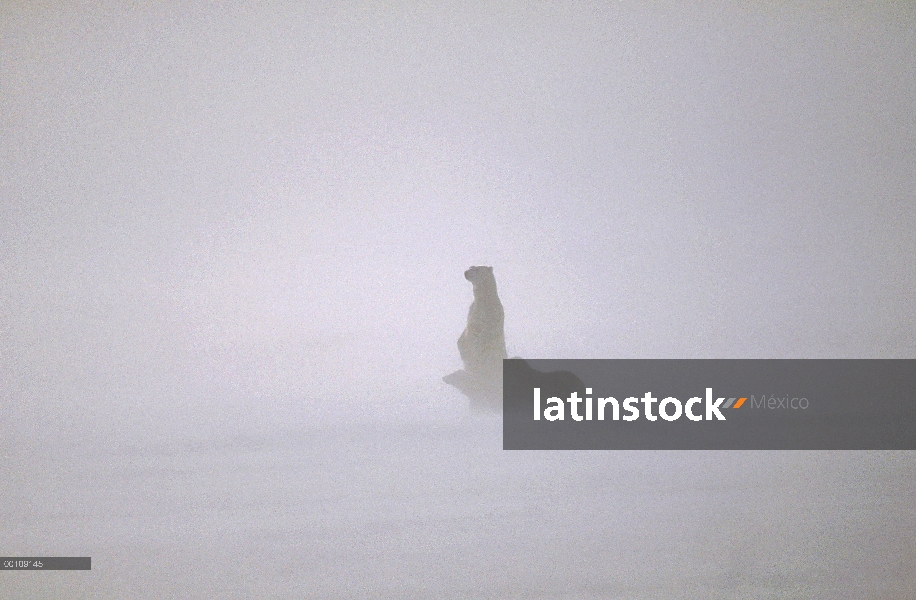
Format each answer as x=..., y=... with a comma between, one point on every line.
x=219, y=207
x=226, y=219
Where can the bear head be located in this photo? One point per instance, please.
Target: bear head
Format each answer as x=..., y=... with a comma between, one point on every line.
x=479, y=274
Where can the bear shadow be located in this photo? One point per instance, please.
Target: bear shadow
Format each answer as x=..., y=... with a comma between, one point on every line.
x=486, y=394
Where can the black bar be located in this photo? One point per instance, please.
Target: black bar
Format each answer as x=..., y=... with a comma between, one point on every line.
x=779, y=404
x=46, y=563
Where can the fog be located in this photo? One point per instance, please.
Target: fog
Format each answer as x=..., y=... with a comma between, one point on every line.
x=219, y=219
x=221, y=204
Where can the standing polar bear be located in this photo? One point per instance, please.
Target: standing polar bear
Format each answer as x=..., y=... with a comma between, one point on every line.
x=483, y=344
x=483, y=348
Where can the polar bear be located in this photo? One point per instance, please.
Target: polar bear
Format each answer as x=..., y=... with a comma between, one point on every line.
x=522, y=378
x=482, y=345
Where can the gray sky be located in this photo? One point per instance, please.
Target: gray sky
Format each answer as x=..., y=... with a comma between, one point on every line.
x=211, y=211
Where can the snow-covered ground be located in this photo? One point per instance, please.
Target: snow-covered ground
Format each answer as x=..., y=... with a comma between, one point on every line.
x=438, y=510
